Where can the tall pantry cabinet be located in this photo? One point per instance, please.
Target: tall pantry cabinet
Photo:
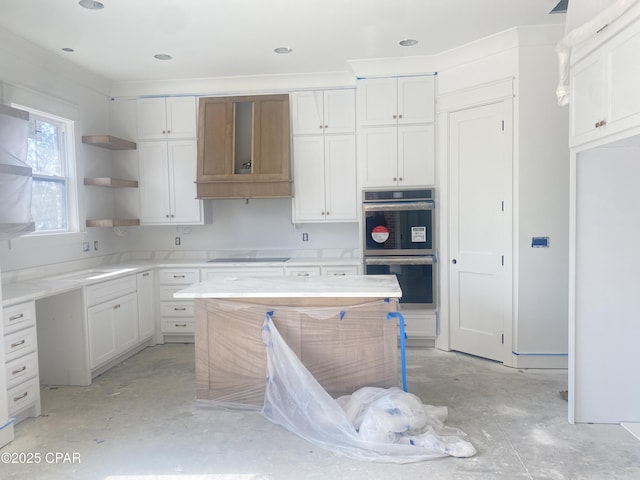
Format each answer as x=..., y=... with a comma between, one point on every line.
x=396, y=131
x=167, y=158
x=324, y=156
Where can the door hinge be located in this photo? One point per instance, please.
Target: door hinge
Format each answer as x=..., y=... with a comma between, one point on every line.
x=503, y=339
x=502, y=205
x=502, y=260
x=503, y=125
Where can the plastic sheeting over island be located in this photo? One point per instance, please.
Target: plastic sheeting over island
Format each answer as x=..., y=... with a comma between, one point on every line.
x=373, y=424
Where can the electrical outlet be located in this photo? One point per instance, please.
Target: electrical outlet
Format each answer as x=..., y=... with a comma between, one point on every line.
x=305, y=237
x=177, y=240
x=95, y=244
x=86, y=246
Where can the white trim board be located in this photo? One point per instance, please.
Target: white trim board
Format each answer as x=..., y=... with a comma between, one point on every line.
x=633, y=428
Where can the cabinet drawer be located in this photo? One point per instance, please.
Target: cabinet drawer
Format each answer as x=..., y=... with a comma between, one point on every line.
x=302, y=271
x=340, y=271
x=174, y=325
x=22, y=369
x=23, y=395
x=181, y=277
x=18, y=317
x=167, y=291
x=176, y=309
x=20, y=343
x=102, y=292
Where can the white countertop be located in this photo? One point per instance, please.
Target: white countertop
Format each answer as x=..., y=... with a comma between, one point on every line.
x=53, y=282
x=226, y=286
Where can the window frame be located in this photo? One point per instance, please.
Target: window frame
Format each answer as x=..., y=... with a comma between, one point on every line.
x=68, y=166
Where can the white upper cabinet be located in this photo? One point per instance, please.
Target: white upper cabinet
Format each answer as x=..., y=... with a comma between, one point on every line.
x=396, y=101
x=167, y=183
x=605, y=98
x=329, y=111
x=324, y=156
x=167, y=118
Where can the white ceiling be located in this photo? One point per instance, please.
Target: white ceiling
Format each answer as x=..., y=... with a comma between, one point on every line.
x=219, y=38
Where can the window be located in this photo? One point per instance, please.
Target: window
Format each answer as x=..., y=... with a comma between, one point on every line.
x=49, y=156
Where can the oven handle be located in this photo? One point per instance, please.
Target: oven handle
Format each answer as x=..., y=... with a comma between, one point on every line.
x=393, y=207
x=399, y=260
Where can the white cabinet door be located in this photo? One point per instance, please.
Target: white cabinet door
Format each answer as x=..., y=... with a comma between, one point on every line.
x=308, y=175
x=307, y=113
x=416, y=99
x=588, y=93
x=416, y=155
x=153, y=186
x=340, y=178
x=377, y=101
x=102, y=339
x=125, y=322
x=623, y=67
x=185, y=208
x=152, y=119
x=167, y=118
x=181, y=117
x=339, y=111
x=378, y=149
x=146, y=305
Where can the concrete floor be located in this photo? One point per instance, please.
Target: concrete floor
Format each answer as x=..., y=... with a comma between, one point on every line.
x=140, y=421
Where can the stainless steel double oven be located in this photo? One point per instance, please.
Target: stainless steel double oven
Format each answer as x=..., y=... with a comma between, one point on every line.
x=399, y=238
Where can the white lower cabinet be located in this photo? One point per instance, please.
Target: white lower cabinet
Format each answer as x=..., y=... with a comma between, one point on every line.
x=113, y=325
x=176, y=315
x=21, y=361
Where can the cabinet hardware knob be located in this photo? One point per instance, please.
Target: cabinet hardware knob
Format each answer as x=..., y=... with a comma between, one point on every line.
x=454, y=261
x=321, y=126
x=16, y=317
x=399, y=179
x=328, y=213
x=17, y=371
x=146, y=274
x=164, y=131
x=395, y=116
x=395, y=179
x=399, y=116
x=116, y=306
x=326, y=126
x=17, y=344
x=167, y=215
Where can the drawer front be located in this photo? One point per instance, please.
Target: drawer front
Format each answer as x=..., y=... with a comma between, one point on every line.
x=20, y=343
x=181, y=277
x=23, y=395
x=102, y=292
x=176, y=309
x=167, y=291
x=19, y=316
x=302, y=271
x=22, y=369
x=177, y=325
x=340, y=271
x=209, y=273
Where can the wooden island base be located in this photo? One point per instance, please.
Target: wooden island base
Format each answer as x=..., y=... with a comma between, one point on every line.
x=346, y=343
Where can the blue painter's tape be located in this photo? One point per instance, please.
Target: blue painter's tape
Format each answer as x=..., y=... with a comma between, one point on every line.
x=403, y=346
x=342, y=312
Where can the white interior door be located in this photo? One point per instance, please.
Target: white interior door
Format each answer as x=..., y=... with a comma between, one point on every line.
x=480, y=152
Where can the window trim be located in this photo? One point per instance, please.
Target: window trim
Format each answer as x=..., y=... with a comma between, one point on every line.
x=67, y=147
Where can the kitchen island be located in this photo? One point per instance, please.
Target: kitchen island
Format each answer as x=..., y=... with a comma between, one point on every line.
x=337, y=326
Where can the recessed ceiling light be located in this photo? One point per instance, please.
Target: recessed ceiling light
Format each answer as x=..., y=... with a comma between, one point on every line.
x=283, y=50
x=409, y=42
x=67, y=49
x=162, y=56
x=91, y=4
